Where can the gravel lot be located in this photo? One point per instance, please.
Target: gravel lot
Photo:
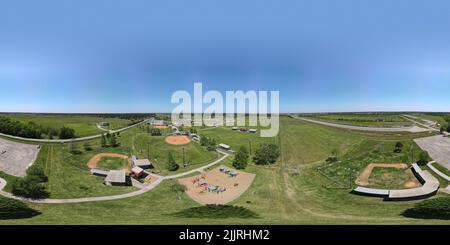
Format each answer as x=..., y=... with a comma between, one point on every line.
x=438, y=147
x=15, y=157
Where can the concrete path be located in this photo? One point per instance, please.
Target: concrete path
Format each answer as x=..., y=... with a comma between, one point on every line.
x=69, y=140
x=144, y=188
x=444, y=176
x=407, y=117
x=412, y=129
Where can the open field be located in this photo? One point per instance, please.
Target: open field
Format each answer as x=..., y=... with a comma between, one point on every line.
x=364, y=119
x=292, y=191
x=83, y=125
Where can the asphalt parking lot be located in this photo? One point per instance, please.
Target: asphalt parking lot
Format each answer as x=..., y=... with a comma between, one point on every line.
x=438, y=147
x=15, y=157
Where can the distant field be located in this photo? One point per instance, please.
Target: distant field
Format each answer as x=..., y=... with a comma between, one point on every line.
x=373, y=120
x=83, y=125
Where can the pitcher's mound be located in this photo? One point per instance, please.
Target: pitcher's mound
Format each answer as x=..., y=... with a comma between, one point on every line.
x=177, y=140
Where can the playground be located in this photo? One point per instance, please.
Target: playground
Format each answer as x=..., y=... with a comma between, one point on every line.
x=218, y=186
x=177, y=140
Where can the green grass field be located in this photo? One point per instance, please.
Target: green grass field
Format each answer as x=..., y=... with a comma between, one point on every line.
x=291, y=191
x=113, y=163
x=373, y=120
x=83, y=125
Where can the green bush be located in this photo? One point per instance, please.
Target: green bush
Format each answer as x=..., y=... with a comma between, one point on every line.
x=172, y=165
x=156, y=132
x=14, y=209
x=424, y=158
x=33, y=185
x=436, y=208
x=241, y=158
x=36, y=171
x=66, y=133
x=266, y=154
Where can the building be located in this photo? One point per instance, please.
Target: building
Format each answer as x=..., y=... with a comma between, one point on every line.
x=99, y=172
x=142, y=163
x=137, y=172
x=234, y=128
x=253, y=131
x=195, y=137
x=224, y=147
x=156, y=122
x=116, y=177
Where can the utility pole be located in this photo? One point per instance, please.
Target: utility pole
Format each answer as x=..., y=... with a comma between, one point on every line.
x=183, y=157
x=250, y=146
x=148, y=150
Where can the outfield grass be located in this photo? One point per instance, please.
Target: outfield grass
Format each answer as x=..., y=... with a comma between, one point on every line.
x=278, y=195
x=83, y=125
x=113, y=163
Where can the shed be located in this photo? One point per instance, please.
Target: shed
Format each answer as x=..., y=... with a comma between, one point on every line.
x=224, y=146
x=137, y=171
x=98, y=172
x=253, y=131
x=116, y=177
x=142, y=163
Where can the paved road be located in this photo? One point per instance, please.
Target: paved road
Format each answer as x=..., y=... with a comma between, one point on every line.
x=143, y=189
x=412, y=129
x=69, y=140
x=444, y=176
x=407, y=117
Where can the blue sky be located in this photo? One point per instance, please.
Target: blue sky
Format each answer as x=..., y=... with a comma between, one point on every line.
x=130, y=56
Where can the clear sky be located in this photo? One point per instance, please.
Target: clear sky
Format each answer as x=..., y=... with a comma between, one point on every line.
x=129, y=56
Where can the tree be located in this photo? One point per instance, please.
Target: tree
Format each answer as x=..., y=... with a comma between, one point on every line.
x=241, y=158
x=32, y=186
x=73, y=148
x=423, y=158
x=113, y=141
x=398, y=147
x=171, y=164
x=436, y=208
x=66, y=133
x=193, y=130
x=208, y=143
x=87, y=146
x=266, y=154
x=38, y=172
x=156, y=132
x=104, y=141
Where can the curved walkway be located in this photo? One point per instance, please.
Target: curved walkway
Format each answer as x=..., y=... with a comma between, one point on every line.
x=412, y=129
x=69, y=140
x=444, y=176
x=107, y=198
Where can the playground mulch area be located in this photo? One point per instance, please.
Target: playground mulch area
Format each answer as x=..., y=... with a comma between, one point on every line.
x=364, y=179
x=232, y=187
x=92, y=163
x=177, y=140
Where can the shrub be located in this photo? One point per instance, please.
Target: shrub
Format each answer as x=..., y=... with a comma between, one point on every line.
x=424, y=158
x=241, y=158
x=87, y=146
x=266, y=154
x=398, y=147
x=156, y=132
x=436, y=208
x=29, y=187
x=178, y=188
x=171, y=164
x=36, y=171
x=66, y=133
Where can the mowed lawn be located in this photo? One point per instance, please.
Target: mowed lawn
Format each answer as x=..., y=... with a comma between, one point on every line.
x=83, y=125
x=288, y=192
x=369, y=119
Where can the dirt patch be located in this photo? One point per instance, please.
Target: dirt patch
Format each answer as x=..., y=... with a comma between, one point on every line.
x=92, y=163
x=363, y=178
x=411, y=184
x=234, y=186
x=160, y=126
x=177, y=140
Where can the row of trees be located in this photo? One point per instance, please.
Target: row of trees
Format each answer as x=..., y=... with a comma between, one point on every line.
x=33, y=130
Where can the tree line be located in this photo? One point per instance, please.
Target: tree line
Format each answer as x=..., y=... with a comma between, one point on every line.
x=33, y=130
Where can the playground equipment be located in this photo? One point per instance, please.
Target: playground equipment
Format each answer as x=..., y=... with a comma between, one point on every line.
x=231, y=173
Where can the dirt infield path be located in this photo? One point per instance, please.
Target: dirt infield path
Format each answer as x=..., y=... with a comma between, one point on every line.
x=70, y=140
x=177, y=140
x=413, y=129
x=92, y=163
x=363, y=178
x=107, y=198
